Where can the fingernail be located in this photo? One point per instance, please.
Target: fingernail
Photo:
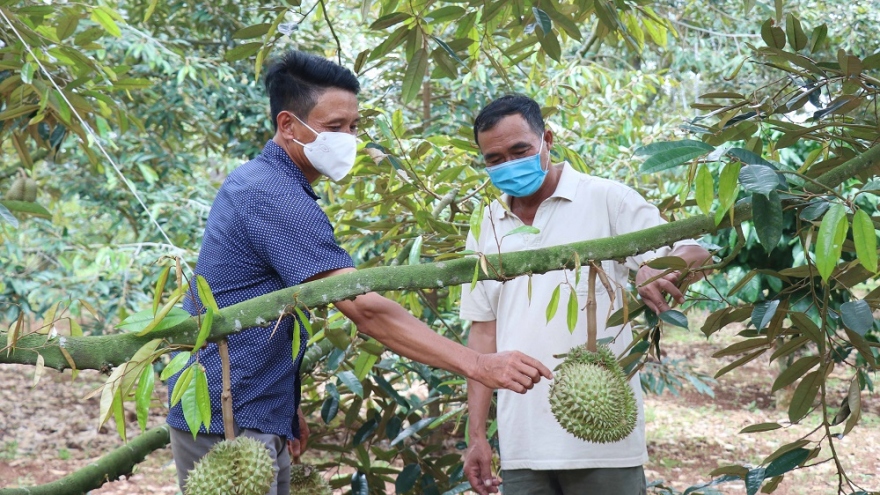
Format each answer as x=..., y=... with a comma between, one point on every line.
x=487, y=482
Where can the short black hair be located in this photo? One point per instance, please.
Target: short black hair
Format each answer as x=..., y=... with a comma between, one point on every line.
x=296, y=79
x=509, y=105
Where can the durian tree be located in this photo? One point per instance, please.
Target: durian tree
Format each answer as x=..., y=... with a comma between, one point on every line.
x=791, y=89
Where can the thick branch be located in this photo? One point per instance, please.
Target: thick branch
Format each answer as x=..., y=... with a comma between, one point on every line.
x=117, y=463
x=97, y=352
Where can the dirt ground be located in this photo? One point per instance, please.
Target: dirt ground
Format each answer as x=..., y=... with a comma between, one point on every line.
x=48, y=431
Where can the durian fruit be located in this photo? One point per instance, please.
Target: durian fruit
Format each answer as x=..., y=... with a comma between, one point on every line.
x=307, y=480
x=591, y=398
x=238, y=467
x=30, y=190
x=16, y=192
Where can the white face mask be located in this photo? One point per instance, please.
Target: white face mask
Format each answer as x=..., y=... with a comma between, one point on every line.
x=331, y=153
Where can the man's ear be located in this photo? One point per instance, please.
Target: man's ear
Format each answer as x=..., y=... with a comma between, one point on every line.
x=285, y=122
x=548, y=137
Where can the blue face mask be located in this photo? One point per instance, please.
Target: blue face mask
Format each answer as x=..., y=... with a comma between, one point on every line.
x=521, y=177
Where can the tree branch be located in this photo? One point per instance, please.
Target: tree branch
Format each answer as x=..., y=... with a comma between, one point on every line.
x=117, y=463
x=100, y=352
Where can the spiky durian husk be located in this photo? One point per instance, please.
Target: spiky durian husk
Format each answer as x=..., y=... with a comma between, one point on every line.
x=239, y=467
x=307, y=480
x=590, y=397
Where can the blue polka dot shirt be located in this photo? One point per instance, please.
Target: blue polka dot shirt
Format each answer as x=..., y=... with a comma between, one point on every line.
x=265, y=232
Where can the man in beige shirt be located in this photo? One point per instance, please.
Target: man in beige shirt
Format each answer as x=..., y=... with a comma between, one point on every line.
x=537, y=455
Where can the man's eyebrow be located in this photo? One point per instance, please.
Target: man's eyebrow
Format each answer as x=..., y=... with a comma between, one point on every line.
x=515, y=146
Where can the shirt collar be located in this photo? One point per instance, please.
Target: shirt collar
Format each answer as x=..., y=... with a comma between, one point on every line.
x=566, y=189
x=278, y=158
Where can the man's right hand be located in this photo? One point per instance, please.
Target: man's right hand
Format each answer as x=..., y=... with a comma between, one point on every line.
x=512, y=370
x=478, y=467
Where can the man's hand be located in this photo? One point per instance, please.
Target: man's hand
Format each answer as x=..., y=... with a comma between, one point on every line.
x=512, y=370
x=654, y=293
x=297, y=446
x=478, y=467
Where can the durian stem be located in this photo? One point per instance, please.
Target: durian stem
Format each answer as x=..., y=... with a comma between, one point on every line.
x=226, y=395
x=591, y=309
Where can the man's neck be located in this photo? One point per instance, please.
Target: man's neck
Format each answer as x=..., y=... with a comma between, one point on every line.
x=310, y=173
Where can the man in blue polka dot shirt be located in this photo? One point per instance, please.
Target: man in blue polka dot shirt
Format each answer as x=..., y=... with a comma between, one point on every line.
x=266, y=232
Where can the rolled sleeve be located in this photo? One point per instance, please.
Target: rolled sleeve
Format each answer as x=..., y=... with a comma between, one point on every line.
x=475, y=305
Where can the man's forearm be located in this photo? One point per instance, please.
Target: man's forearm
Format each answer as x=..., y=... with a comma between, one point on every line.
x=482, y=340
x=404, y=334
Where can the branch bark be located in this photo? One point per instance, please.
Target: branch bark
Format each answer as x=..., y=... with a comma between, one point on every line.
x=117, y=463
x=101, y=352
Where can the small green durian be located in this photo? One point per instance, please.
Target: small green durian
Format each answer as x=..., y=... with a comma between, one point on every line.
x=305, y=479
x=16, y=191
x=591, y=398
x=30, y=190
x=239, y=467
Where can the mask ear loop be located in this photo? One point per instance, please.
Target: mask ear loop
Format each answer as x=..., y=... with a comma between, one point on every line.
x=307, y=127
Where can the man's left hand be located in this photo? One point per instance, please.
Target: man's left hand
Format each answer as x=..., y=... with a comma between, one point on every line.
x=654, y=293
x=297, y=446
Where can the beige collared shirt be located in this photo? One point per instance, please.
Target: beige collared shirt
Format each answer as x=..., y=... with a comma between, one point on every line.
x=582, y=208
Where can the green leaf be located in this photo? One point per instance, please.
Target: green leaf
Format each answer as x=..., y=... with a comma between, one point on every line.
x=763, y=313
x=203, y=397
x=243, y=51
x=550, y=44
x=364, y=364
x=818, y=38
x=667, y=263
x=331, y=403
x=160, y=316
x=444, y=14
x=656, y=148
x=786, y=462
x=553, y=305
x=857, y=316
x=415, y=253
x=66, y=26
x=728, y=188
x=254, y=31
x=572, y=316
x=543, y=21
x=181, y=385
x=671, y=158
x=761, y=427
x=350, y=380
x=767, y=215
x=176, y=364
x=205, y=330
x=365, y=431
x=758, y=179
x=407, y=478
x=414, y=75
x=476, y=221
x=190, y=405
x=705, y=189
x=865, y=238
x=104, y=17
x=205, y=294
x=119, y=414
x=412, y=430
x=304, y=321
x=7, y=215
x=829, y=243
x=674, y=317
x=854, y=401
x=389, y=20
x=140, y=320
x=804, y=395
x=524, y=229
x=796, y=37
x=143, y=395
x=794, y=371
x=772, y=35
x=160, y=287
x=753, y=480
x=150, y=9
